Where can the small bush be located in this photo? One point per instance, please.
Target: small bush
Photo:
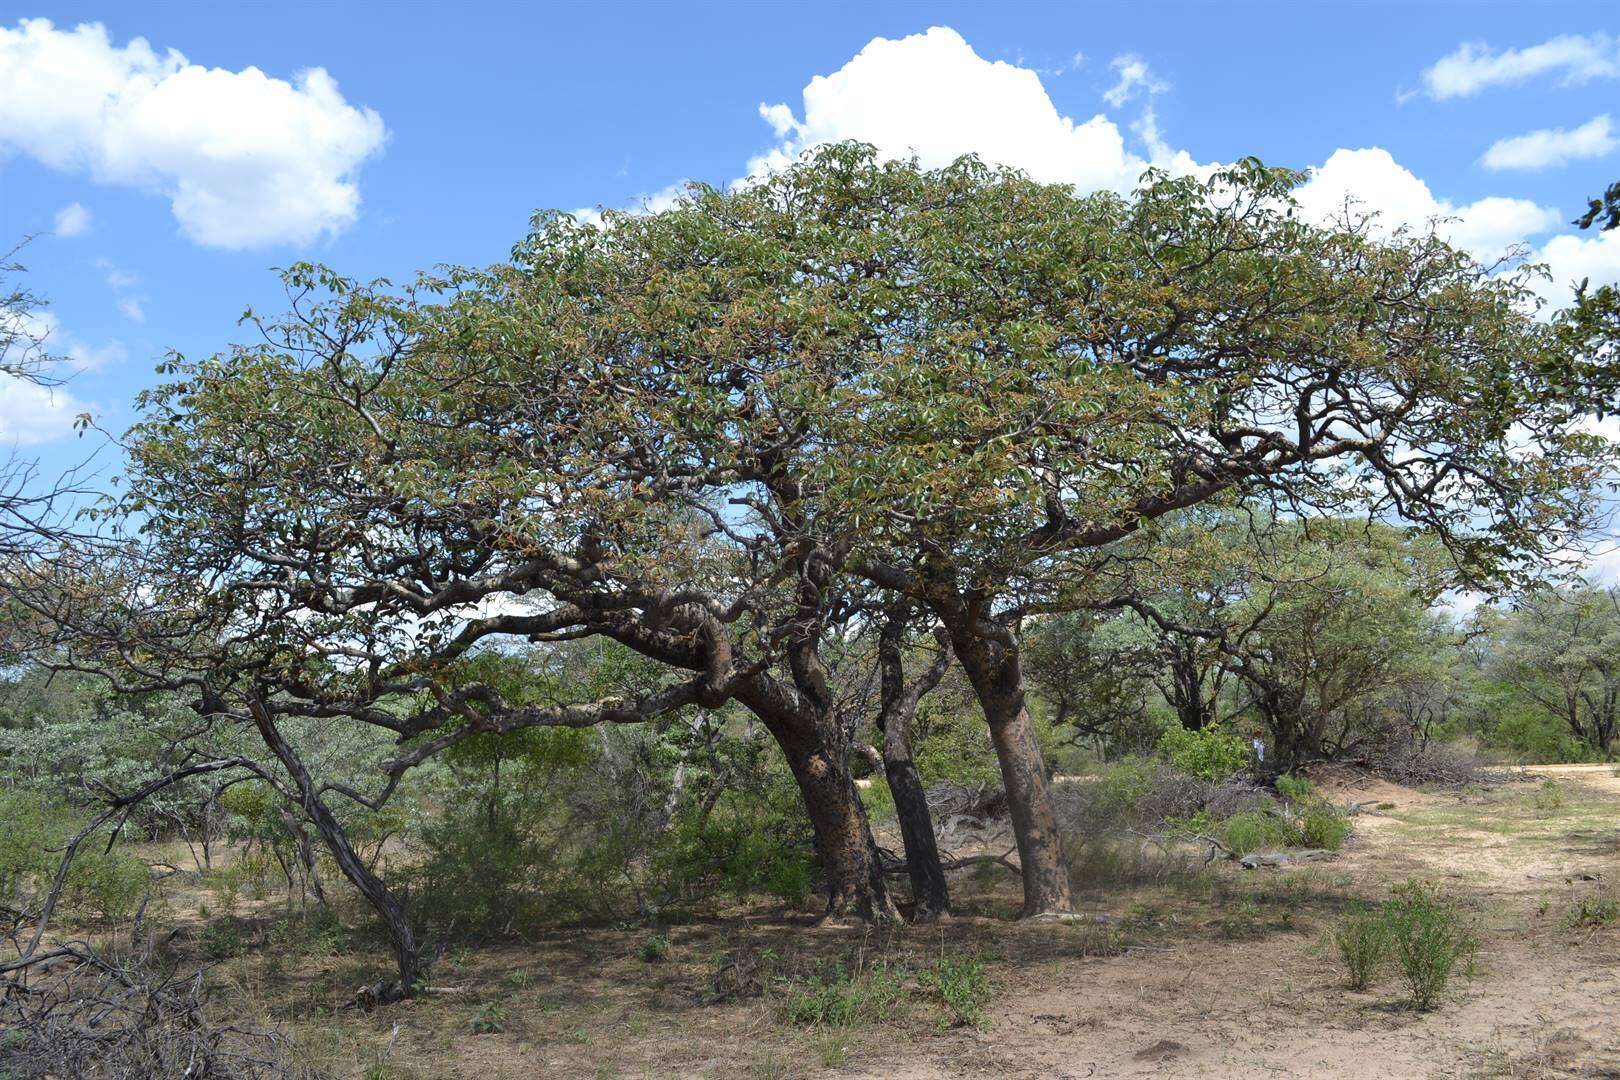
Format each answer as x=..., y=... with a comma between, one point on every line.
x=1429, y=937
x=1209, y=754
x=1257, y=830
x=654, y=949
x=839, y=997
x=489, y=1020
x=963, y=986
x=1550, y=796
x=1322, y=825
x=1363, y=940
x=1594, y=911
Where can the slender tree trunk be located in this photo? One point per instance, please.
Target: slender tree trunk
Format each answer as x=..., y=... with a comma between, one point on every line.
x=1023, y=773
x=923, y=867
x=897, y=710
x=402, y=941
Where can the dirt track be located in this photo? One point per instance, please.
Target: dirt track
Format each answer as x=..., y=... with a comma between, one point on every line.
x=1544, y=1002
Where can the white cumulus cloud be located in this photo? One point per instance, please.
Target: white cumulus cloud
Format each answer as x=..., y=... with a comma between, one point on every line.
x=1371, y=180
x=1573, y=258
x=1551, y=147
x=72, y=220
x=931, y=95
x=1475, y=67
x=246, y=160
x=32, y=414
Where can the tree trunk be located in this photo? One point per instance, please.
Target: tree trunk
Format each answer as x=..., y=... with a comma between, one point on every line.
x=849, y=858
x=923, y=867
x=898, y=707
x=1023, y=773
x=401, y=939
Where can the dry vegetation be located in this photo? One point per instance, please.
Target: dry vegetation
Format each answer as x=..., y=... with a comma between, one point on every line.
x=1175, y=968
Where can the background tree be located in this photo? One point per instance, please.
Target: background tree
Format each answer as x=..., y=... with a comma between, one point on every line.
x=1560, y=649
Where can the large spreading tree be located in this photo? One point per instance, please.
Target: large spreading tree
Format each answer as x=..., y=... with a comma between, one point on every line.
x=716, y=432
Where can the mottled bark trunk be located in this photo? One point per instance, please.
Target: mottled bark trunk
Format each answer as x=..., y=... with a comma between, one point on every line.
x=897, y=709
x=923, y=867
x=1023, y=772
x=849, y=858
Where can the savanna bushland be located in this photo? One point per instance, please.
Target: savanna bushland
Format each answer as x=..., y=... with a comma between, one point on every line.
x=872, y=620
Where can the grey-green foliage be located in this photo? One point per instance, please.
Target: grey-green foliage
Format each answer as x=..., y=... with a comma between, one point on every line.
x=1363, y=940
x=1430, y=937
x=1559, y=651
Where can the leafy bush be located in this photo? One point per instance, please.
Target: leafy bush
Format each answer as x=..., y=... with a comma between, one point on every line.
x=1430, y=938
x=1209, y=754
x=1257, y=830
x=1363, y=940
x=963, y=986
x=836, y=996
x=654, y=949
x=100, y=884
x=106, y=884
x=1323, y=825
x=1594, y=911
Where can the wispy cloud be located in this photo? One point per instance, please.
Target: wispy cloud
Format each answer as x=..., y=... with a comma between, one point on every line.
x=1551, y=147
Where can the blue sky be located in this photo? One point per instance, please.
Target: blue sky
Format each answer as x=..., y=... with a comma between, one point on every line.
x=165, y=190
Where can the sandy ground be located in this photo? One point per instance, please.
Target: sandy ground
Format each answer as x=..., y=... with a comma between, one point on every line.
x=1228, y=974
x=1544, y=1002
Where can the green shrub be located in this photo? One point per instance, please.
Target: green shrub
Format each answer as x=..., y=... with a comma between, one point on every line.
x=654, y=949
x=489, y=1020
x=1257, y=830
x=224, y=938
x=1430, y=938
x=1363, y=940
x=1323, y=825
x=963, y=986
x=106, y=884
x=1210, y=754
x=1594, y=911
x=836, y=996
x=1295, y=789
x=1550, y=796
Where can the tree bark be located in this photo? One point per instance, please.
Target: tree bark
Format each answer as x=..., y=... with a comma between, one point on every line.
x=1029, y=799
x=896, y=711
x=402, y=941
x=990, y=656
x=849, y=858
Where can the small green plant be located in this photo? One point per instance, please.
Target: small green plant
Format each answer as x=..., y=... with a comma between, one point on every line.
x=1430, y=938
x=223, y=939
x=489, y=1020
x=517, y=979
x=1210, y=753
x=1363, y=941
x=1295, y=789
x=963, y=986
x=839, y=997
x=654, y=949
x=1594, y=911
x=1550, y=796
x=1254, y=830
x=1321, y=825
